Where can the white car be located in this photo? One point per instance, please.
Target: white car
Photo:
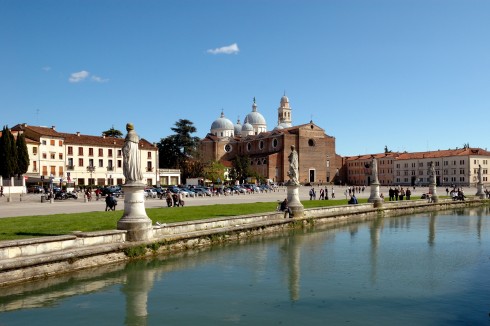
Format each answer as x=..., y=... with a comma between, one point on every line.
x=150, y=193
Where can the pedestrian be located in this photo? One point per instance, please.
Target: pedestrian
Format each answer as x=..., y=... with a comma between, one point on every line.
x=408, y=193
x=322, y=194
x=326, y=193
x=1, y=191
x=333, y=193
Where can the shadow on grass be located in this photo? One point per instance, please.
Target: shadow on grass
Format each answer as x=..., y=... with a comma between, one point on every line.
x=37, y=234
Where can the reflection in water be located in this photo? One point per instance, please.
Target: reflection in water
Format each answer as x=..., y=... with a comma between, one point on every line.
x=371, y=267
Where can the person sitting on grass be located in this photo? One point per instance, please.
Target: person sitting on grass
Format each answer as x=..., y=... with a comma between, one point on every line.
x=353, y=200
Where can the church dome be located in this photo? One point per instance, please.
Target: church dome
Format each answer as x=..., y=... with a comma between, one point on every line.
x=238, y=128
x=256, y=119
x=278, y=127
x=247, y=127
x=283, y=125
x=222, y=123
x=284, y=99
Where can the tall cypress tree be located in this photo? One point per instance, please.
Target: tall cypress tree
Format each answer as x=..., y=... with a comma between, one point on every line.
x=9, y=153
x=22, y=155
x=3, y=156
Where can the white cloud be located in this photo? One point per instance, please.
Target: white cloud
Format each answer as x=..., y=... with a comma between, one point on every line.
x=99, y=79
x=229, y=49
x=47, y=68
x=77, y=77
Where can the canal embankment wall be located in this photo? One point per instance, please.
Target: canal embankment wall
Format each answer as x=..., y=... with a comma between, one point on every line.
x=37, y=258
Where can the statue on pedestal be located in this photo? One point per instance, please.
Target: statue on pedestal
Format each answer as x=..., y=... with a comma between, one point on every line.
x=480, y=177
x=374, y=168
x=431, y=172
x=293, y=167
x=131, y=156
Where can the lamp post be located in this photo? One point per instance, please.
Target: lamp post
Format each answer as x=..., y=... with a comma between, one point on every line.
x=91, y=169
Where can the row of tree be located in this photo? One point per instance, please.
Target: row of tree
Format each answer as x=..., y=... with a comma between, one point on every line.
x=14, y=157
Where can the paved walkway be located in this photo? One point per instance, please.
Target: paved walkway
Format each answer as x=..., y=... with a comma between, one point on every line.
x=31, y=203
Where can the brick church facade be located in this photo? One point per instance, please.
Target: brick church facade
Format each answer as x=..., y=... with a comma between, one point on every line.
x=268, y=150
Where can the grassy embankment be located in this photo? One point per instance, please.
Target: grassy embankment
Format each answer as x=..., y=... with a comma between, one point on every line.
x=22, y=227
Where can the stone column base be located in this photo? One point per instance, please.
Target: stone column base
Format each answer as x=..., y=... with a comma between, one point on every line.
x=297, y=209
x=134, y=220
x=479, y=191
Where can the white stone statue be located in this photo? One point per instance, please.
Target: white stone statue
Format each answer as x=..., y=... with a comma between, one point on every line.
x=374, y=168
x=480, y=177
x=432, y=172
x=293, y=166
x=131, y=156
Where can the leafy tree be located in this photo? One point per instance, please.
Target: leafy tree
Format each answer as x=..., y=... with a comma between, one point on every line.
x=22, y=155
x=8, y=154
x=214, y=171
x=179, y=151
x=113, y=133
x=241, y=168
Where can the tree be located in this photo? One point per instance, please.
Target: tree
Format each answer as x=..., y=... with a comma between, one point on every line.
x=214, y=171
x=22, y=155
x=113, y=133
x=179, y=151
x=8, y=154
x=241, y=168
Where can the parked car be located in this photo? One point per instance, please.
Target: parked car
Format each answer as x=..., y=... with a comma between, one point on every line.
x=35, y=189
x=150, y=193
x=200, y=191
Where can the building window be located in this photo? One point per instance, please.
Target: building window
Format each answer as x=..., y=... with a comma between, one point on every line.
x=80, y=151
x=261, y=144
x=249, y=146
x=43, y=142
x=91, y=162
x=70, y=150
x=461, y=171
x=51, y=142
x=119, y=163
x=101, y=163
x=90, y=151
x=34, y=166
x=80, y=162
x=34, y=151
x=101, y=152
x=119, y=152
x=311, y=142
x=274, y=143
x=461, y=162
x=149, y=155
x=328, y=163
x=45, y=156
x=228, y=148
x=60, y=156
x=109, y=152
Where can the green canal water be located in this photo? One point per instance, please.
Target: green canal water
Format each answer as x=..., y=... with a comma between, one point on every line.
x=425, y=269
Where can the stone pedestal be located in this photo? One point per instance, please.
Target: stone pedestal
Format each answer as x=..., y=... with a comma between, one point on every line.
x=134, y=219
x=293, y=200
x=433, y=192
x=374, y=196
x=479, y=190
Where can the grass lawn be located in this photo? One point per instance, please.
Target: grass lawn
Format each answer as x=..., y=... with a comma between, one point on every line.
x=12, y=228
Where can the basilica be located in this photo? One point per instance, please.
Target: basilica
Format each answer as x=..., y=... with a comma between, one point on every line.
x=268, y=150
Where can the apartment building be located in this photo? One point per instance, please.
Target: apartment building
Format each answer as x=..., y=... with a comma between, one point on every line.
x=457, y=167
x=358, y=168
x=82, y=160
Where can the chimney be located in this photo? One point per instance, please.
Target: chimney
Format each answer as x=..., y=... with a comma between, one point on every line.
x=53, y=127
x=78, y=133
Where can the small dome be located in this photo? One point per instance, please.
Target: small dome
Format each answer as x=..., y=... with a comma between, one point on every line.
x=247, y=127
x=238, y=128
x=285, y=125
x=284, y=99
x=222, y=123
x=278, y=127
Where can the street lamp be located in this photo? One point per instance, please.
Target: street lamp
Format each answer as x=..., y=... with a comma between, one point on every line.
x=91, y=169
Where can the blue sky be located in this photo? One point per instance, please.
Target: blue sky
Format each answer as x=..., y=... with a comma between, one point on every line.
x=412, y=75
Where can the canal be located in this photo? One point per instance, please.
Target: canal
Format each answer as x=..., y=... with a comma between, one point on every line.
x=424, y=269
